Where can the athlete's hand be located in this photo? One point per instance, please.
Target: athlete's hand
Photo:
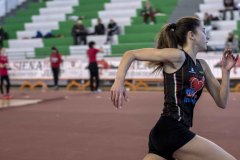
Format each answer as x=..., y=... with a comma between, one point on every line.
x=118, y=94
x=228, y=60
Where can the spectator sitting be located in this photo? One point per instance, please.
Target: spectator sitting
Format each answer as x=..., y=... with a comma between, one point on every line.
x=39, y=34
x=232, y=42
x=51, y=35
x=214, y=18
x=79, y=33
x=207, y=19
x=228, y=6
x=147, y=12
x=99, y=28
x=112, y=29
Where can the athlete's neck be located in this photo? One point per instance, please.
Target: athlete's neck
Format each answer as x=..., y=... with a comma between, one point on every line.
x=191, y=52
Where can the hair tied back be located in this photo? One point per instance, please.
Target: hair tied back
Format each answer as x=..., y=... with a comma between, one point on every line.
x=172, y=27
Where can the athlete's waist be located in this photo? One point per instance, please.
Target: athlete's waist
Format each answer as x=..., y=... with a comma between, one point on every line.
x=178, y=113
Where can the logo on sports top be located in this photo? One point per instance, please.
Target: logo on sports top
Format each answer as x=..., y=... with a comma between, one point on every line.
x=195, y=86
x=192, y=71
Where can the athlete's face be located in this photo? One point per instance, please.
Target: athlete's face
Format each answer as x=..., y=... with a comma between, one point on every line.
x=201, y=38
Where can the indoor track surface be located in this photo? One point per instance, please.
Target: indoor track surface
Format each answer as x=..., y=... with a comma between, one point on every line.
x=71, y=125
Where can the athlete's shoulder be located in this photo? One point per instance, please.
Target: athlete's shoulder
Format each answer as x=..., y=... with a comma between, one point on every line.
x=203, y=63
x=175, y=54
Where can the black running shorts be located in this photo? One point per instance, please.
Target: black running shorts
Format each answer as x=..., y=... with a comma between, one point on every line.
x=167, y=136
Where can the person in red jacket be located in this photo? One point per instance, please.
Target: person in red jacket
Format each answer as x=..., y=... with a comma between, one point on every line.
x=93, y=67
x=56, y=60
x=4, y=74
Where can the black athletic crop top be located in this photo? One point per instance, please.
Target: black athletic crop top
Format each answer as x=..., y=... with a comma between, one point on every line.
x=182, y=89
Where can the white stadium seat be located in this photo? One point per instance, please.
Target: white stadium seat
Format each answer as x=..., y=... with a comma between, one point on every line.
x=217, y=44
x=212, y=1
x=20, y=53
x=49, y=18
x=117, y=13
x=56, y=10
x=211, y=7
x=219, y=34
x=114, y=1
x=25, y=43
x=41, y=26
x=122, y=5
x=101, y=39
x=223, y=25
x=62, y=3
x=119, y=20
x=81, y=50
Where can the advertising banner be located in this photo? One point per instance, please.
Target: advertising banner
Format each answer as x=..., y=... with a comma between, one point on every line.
x=75, y=67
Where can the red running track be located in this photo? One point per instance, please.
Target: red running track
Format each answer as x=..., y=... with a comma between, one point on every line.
x=85, y=126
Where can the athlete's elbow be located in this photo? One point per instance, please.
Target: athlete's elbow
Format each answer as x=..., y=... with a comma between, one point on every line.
x=129, y=55
x=222, y=105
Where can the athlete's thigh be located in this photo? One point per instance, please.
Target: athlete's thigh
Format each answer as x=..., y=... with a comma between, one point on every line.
x=151, y=156
x=200, y=148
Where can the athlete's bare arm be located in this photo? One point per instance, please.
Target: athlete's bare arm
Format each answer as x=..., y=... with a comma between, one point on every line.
x=169, y=56
x=218, y=91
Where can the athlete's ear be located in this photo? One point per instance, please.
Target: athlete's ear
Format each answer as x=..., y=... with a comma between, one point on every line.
x=191, y=35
